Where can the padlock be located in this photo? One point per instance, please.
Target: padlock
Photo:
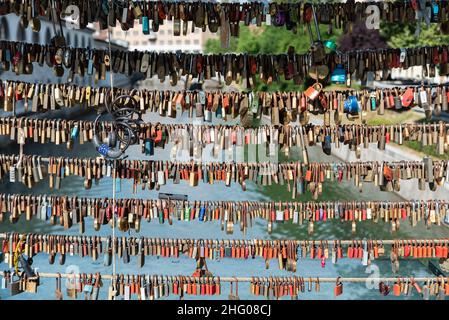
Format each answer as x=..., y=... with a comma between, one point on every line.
x=32, y=284
x=407, y=97
x=317, y=50
x=313, y=91
x=145, y=25
x=338, y=76
x=161, y=177
x=397, y=288
x=351, y=105
x=208, y=115
x=338, y=290
x=15, y=286
x=193, y=179
x=317, y=53
x=58, y=96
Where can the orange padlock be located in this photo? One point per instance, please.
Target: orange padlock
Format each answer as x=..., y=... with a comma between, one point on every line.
x=350, y=253
x=313, y=91
x=157, y=134
x=397, y=288
x=308, y=176
x=407, y=97
x=338, y=290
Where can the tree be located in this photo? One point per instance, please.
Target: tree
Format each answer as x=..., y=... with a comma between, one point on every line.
x=403, y=35
x=273, y=40
x=361, y=38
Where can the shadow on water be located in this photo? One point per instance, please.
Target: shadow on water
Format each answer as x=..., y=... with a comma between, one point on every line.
x=196, y=229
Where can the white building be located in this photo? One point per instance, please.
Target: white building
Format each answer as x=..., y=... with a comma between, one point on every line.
x=163, y=40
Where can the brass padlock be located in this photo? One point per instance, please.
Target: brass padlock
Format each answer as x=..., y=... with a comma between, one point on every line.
x=32, y=284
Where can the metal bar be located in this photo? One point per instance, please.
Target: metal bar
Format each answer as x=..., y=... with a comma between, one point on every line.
x=253, y=241
x=68, y=159
x=185, y=125
x=261, y=203
x=249, y=279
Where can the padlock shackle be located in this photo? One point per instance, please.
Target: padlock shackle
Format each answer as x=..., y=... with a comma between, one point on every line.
x=315, y=22
x=309, y=30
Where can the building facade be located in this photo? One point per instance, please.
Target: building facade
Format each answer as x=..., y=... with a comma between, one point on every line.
x=163, y=40
x=11, y=29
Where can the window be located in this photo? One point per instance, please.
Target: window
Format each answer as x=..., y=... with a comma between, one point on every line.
x=178, y=42
x=162, y=32
x=170, y=42
x=136, y=42
x=187, y=42
x=135, y=33
x=196, y=41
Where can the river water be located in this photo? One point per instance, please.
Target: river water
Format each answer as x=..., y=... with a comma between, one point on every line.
x=226, y=267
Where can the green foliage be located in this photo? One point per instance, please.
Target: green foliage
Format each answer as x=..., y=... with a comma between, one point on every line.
x=276, y=40
x=403, y=35
x=269, y=40
x=428, y=150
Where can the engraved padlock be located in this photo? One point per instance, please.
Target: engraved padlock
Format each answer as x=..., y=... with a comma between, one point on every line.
x=58, y=96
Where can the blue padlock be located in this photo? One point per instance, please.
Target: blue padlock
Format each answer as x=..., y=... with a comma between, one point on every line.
x=145, y=25
x=202, y=213
x=75, y=132
x=219, y=113
x=338, y=75
x=149, y=147
x=351, y=105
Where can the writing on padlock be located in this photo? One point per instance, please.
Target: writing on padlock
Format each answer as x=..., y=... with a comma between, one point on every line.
x=313, y=91
x=338, y=75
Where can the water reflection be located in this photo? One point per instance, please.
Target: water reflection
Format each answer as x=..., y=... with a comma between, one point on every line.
x=196, y=229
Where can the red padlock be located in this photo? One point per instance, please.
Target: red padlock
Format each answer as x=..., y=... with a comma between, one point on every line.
x=313, y=91
x=338, y=290
x=407, y=97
